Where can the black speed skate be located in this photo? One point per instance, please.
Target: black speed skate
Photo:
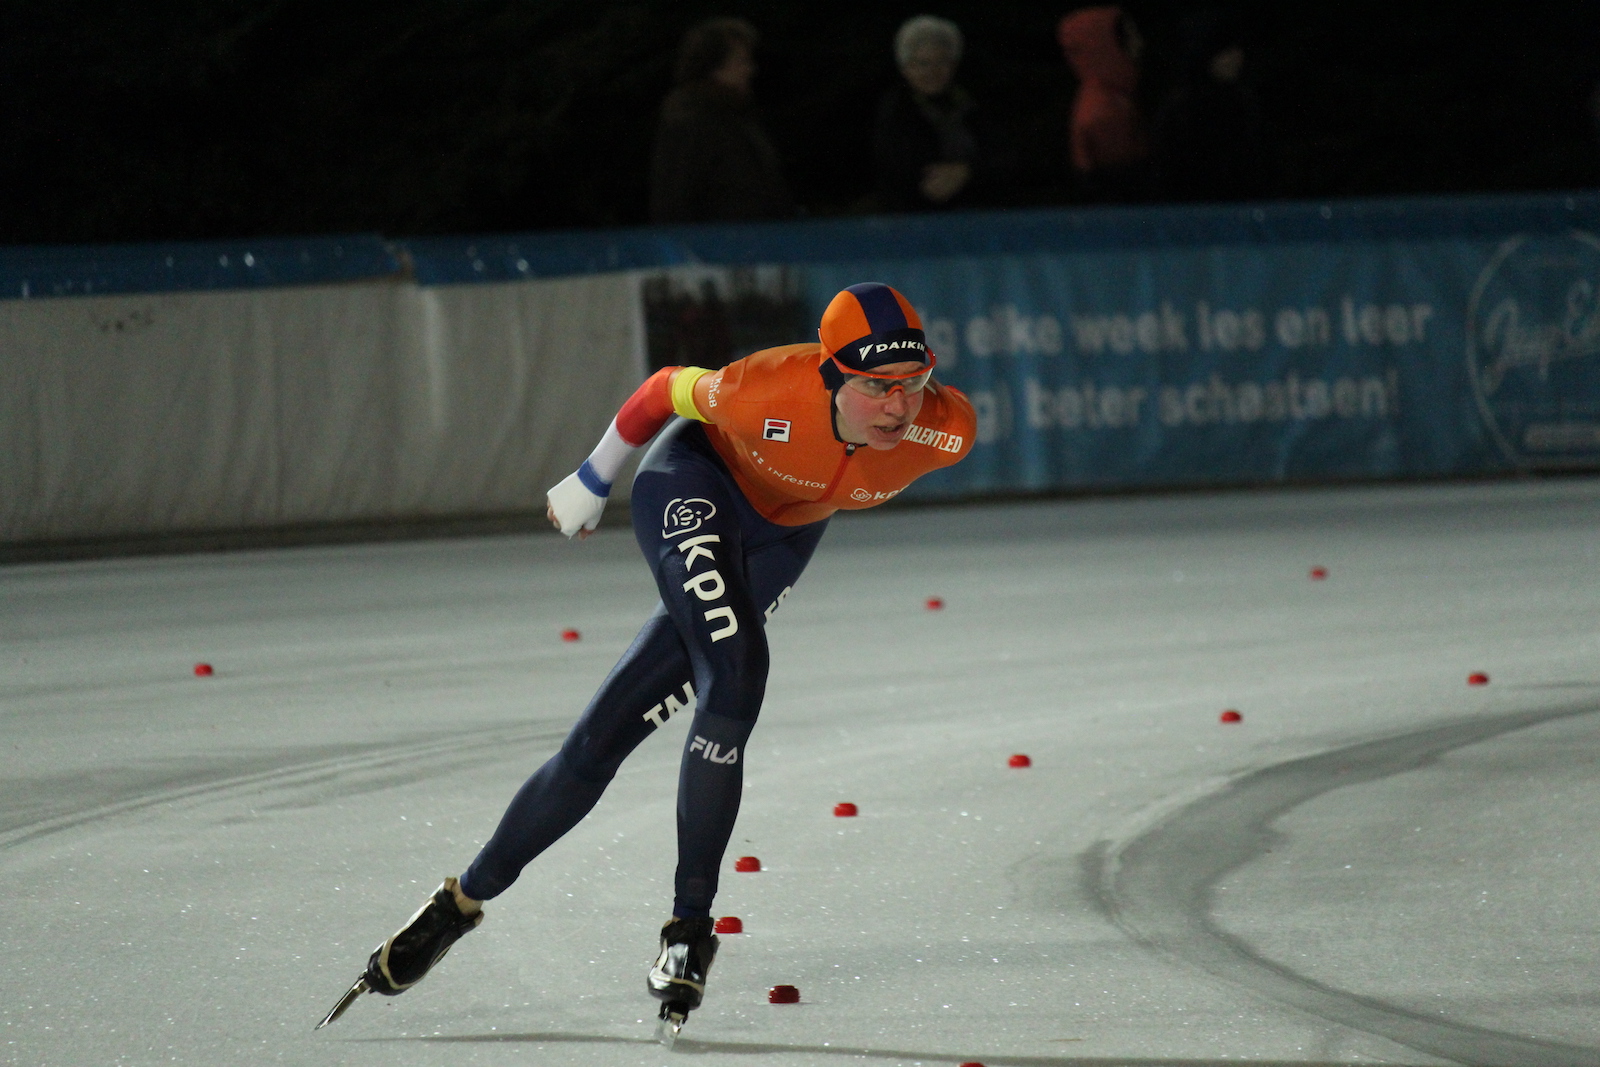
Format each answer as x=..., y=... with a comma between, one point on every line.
x=678, y=978
x=401, y=961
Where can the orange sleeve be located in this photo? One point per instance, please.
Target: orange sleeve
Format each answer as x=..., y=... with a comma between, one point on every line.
x=648, y=409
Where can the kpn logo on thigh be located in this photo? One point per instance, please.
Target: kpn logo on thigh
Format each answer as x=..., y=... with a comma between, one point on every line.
x=707, y=585
x=684, y=516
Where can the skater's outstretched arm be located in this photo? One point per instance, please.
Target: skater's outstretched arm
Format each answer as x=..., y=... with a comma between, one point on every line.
x=574, y=505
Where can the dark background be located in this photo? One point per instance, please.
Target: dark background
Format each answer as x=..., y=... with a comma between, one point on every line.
x=189, y=119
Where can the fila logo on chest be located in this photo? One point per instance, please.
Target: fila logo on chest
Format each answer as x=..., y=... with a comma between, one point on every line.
x=776, y=430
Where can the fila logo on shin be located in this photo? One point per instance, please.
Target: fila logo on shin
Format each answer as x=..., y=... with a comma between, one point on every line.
x=776, y=430
x=713, y=752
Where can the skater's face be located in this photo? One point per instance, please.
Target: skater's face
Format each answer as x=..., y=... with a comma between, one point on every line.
x=878, y=421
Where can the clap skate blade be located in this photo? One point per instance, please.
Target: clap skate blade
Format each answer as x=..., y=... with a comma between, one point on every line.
x=673, y=1015
x=345, y=1001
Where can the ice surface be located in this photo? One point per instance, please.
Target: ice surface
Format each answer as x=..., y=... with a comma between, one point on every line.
x=197, y=867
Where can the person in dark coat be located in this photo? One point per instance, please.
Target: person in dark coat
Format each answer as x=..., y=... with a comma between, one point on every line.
x=925, y=148
x=713, y=161
x=1208, y=142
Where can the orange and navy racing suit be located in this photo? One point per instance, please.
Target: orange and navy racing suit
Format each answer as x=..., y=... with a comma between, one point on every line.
x=727, y=505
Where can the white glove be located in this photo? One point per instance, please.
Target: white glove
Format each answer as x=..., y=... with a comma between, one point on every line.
x=574, y=506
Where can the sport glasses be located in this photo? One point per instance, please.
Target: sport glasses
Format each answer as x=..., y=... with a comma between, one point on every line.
x=878, y=386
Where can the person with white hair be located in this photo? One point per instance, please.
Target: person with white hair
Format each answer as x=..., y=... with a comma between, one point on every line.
x=925, y=150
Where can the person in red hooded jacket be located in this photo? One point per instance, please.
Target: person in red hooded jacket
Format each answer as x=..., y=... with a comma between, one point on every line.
x=1108, y=143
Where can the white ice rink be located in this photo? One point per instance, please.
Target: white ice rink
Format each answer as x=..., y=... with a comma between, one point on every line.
x=1379, y=864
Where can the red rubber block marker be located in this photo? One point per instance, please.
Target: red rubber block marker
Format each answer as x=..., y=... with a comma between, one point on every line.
x=1318, y=573
x=570, y=635
x=746, y=864
x=935, y=603
x=1477, y=678
x=203, y=670
x=783, y=994
x=972, y=1063
x=730, y=924
x=846, y=810
x=1019, y=760
x=1230, y=716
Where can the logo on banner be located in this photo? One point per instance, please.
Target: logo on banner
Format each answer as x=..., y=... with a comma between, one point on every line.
x=1533, y=349
x=776, y=430
x=686, y=516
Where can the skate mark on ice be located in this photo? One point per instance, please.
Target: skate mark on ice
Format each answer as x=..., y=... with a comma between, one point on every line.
x=856, y=1052
x=1556, y=685
x=28, y=801
x=1157, y=886
x=320, y=773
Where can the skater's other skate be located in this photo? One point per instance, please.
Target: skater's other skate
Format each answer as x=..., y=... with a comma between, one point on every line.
x=678, y=978
x=687, y=948
x=401, y=961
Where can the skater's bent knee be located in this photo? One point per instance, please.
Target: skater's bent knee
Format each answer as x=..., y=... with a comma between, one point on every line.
x=582, y=760
x=737, y=696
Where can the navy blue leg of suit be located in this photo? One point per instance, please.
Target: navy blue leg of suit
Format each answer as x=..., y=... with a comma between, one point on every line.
x=721, y=570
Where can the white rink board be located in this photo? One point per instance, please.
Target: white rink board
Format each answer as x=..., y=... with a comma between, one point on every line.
x=197, y=868
x=149, y=414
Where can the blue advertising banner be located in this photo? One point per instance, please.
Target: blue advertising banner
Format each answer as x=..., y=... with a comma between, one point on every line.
x=1104, y=347
x=1260, y=363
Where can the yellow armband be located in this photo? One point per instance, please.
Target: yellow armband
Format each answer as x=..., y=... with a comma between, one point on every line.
x=683, y=393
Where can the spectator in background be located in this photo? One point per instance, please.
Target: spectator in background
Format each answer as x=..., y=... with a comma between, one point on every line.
x=1109, y=146
x=1207, y=142
x=1594, y=114
x=713, y=161
x=924, y=147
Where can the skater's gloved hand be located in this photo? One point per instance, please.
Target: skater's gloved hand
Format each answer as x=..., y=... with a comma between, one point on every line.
x=574, y=508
